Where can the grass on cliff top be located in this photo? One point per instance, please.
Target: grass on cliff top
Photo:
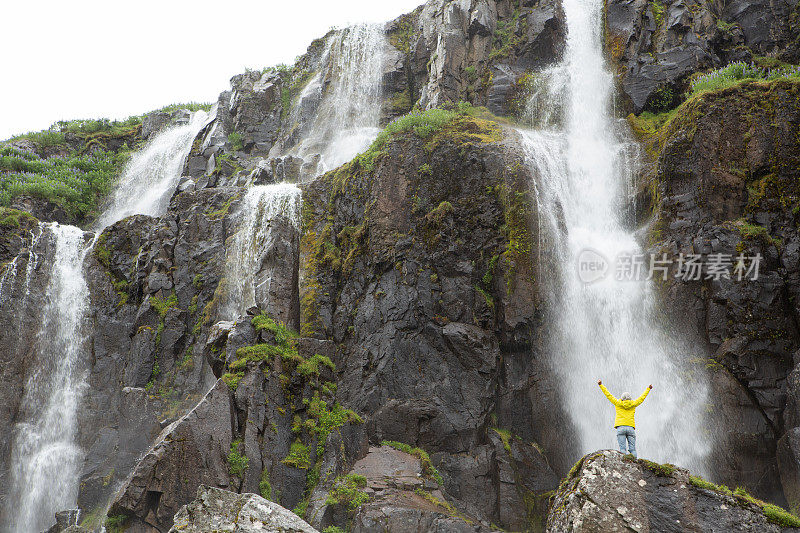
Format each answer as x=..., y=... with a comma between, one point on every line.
x=75, y=183
x=739, y=72
x=462, y=121
x=772, y=512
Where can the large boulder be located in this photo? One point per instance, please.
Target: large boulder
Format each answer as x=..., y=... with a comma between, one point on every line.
x=221, y=510
x=608, y=492
x=189, y=453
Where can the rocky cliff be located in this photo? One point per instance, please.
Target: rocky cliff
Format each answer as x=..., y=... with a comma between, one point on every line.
x=395, y=375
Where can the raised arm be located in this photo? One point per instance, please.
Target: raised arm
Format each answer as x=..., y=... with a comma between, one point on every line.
x=641, y=398
x=609, y=395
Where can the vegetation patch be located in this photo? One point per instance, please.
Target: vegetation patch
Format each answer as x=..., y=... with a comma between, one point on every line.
x=237, y=461
x=425, y=460
x=773, y=513
x=298, y=455
x=665, y=470
x=346, y=491
x=738, y=72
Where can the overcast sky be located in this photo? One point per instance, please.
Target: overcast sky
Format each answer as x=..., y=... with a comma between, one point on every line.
x=63, y=60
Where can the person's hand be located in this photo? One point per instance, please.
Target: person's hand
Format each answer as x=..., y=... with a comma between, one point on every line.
x=649, y=386
x=599, y=382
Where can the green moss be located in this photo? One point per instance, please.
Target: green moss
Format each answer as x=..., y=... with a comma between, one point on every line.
x=311, y=365
x=505, y=436
x=658, y=11
x=486, y=296
x=333, y=529
x=298, y=455
x=324, y=419
x=425, y=461
x=162, y=306
x=116, y=523
x=346, y=491
x=779, y=516
x=508, y=35
x=237, y=462
x=232, y=379
x=13, y=218
x=662, y=470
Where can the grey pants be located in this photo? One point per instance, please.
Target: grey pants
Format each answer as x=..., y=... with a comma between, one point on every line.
x=627, y=433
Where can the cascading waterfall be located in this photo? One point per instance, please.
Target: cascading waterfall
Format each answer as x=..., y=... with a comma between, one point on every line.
x=348, y=116
x=258, y=209
x=583, y=164
x=150, y=177
x=45, y=457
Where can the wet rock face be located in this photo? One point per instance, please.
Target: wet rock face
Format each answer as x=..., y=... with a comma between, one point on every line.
x=220, y=510
x=151, y=282
x=479, y=50
x=610, y=492
x=657, y=45
x=169, y=473
x=408, y=270
x=727, y=177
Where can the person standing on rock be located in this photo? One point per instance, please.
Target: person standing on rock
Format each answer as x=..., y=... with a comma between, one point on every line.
x=624, y=422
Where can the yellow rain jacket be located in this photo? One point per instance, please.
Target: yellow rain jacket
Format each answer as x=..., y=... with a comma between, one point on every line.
x=625, y=409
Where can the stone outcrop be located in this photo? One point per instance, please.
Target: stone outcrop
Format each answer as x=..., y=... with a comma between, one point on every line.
x=415, y=269
x=220, y=510
x=656, y=46
x=607, y=492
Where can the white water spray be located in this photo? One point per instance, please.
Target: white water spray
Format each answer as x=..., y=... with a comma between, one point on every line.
x=261, y=205
x=347, y=119
x=151, y=175
x=608, y=330
x=45, y=457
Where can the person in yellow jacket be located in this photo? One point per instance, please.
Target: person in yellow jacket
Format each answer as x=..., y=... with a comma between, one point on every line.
x=624, y=422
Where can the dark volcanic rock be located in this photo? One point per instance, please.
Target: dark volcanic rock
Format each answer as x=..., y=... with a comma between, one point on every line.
x=608, y=492
x=409, y=271
x=727, y=181
x=189, y=453
x=657, y=45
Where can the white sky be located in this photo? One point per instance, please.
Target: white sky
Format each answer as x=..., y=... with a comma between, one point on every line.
x=64, y=60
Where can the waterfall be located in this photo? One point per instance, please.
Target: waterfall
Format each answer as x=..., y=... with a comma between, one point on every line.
x=45, y=459
x=350, y=82
x=260, y=207
x=583, y=163
x=151, y=175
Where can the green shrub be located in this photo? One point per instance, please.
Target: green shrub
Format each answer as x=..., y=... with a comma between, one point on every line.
x=347, y=491
x=190, y=106
x=236, y=141
x=264, y=486
x=237, y=463
x=298, y=456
